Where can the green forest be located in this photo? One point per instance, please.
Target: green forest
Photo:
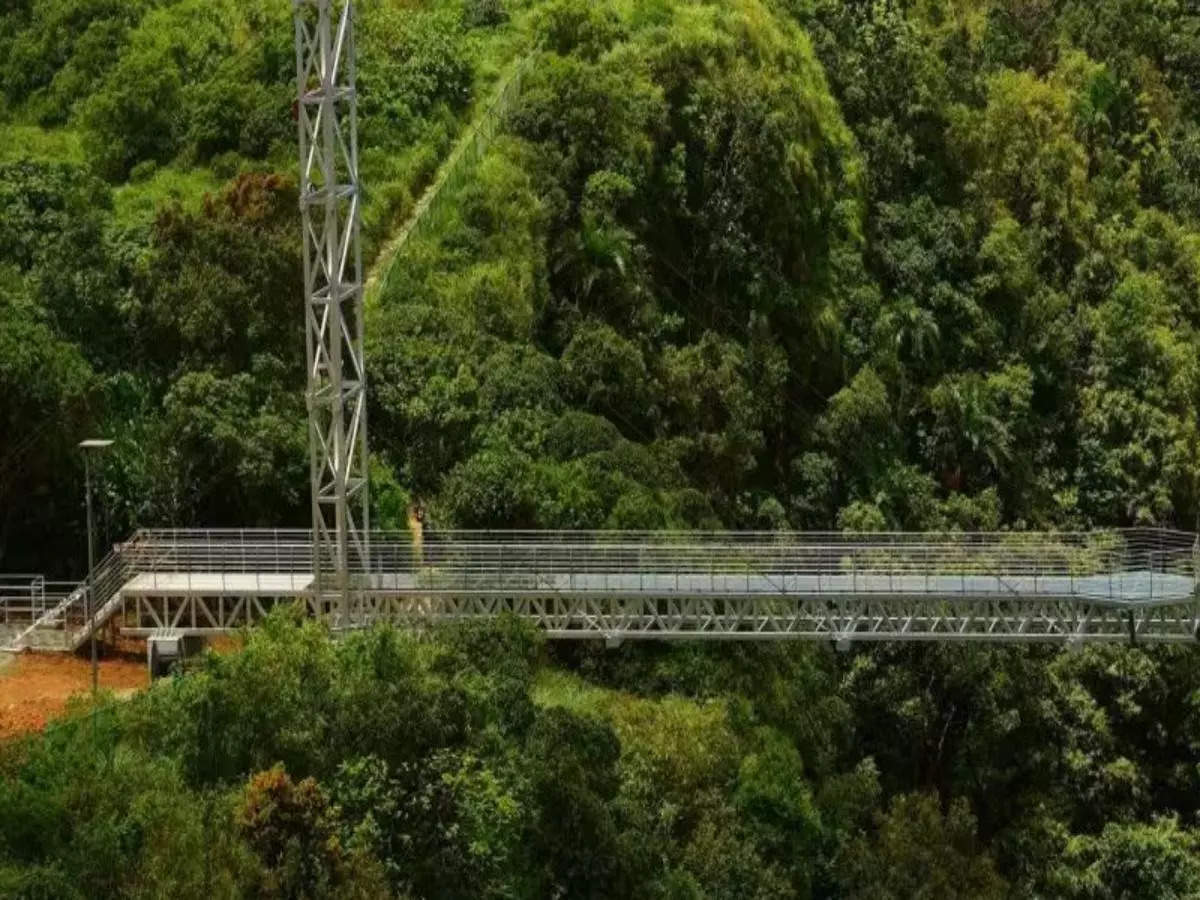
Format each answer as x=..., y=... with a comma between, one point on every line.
x=745, y=264
x=486, y=763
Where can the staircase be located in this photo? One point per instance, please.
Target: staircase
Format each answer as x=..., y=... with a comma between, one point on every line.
x=67, y=623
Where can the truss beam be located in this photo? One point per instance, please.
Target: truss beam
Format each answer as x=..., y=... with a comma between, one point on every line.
x=839, y=619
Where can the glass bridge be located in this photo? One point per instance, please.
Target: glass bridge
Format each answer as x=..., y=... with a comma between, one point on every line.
x=1126, y=585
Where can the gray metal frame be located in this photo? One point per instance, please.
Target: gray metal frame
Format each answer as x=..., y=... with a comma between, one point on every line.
x=1136, y=584
x=842, y=619
x=333, y=292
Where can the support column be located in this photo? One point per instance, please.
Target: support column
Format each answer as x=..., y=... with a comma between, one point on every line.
x=333, y=298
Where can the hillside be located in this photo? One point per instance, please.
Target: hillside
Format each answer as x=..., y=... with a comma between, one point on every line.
x=833, y=266
x=823, y=265
x=751, y=264
x=152, y=259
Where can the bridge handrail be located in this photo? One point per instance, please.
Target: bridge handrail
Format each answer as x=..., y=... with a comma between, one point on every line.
x=71, y=612
x=1015, y=553
x=1147, y=536
x=1119, y=564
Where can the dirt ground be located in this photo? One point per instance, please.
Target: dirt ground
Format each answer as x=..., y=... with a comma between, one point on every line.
x=35, y=687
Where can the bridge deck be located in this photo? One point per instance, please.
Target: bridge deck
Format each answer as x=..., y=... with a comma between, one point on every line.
x=1106, y=585
x=1149, y=606
x=1119, y=588
x=217, y=584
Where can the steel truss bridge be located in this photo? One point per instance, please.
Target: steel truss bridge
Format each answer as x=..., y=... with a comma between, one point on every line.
x=1121, y=585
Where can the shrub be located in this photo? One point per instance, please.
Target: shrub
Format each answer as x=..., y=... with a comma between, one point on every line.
x=483, y=13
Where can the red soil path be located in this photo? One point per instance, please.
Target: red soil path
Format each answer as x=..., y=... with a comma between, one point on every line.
x=35, y=687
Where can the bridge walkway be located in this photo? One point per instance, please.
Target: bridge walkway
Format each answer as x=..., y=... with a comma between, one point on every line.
x=1096, y=586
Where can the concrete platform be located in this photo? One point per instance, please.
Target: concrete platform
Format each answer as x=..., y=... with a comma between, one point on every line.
x=1123, y=588
x=209, y=584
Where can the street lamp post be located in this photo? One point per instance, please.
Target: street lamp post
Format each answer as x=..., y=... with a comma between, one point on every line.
x=88, y=447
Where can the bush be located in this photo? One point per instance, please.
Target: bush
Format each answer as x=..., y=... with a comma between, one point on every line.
x=576, y=434
x=135, y=117
x=494, y=488
x=483, y=13
x=411, y=61
x=580, y=27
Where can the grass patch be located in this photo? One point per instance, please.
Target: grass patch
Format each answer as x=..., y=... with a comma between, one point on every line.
x=556, y=688
x=42, y=144
x=395, y=178
x=675, y=742
x=139, y=201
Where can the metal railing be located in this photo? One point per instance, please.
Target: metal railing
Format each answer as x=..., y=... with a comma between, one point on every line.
x=1128, y=568
x=452, y=174
x=1137, y=565
x=22, y=598
x=62, y=614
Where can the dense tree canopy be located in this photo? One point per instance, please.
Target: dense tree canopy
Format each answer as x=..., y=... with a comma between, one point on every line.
x=770, y=264
x=475, y=763
x=842, y=267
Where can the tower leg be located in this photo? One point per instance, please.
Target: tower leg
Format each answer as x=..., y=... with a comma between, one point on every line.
x=333, y=298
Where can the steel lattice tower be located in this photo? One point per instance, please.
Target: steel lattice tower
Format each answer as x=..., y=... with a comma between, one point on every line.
x=333, y=295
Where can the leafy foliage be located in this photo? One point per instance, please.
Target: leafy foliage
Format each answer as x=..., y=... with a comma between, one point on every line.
x=467, y=763
x=807, y=264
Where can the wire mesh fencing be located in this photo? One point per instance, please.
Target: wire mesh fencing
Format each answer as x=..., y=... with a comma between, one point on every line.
x=1119, y=565
x=430, y=211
